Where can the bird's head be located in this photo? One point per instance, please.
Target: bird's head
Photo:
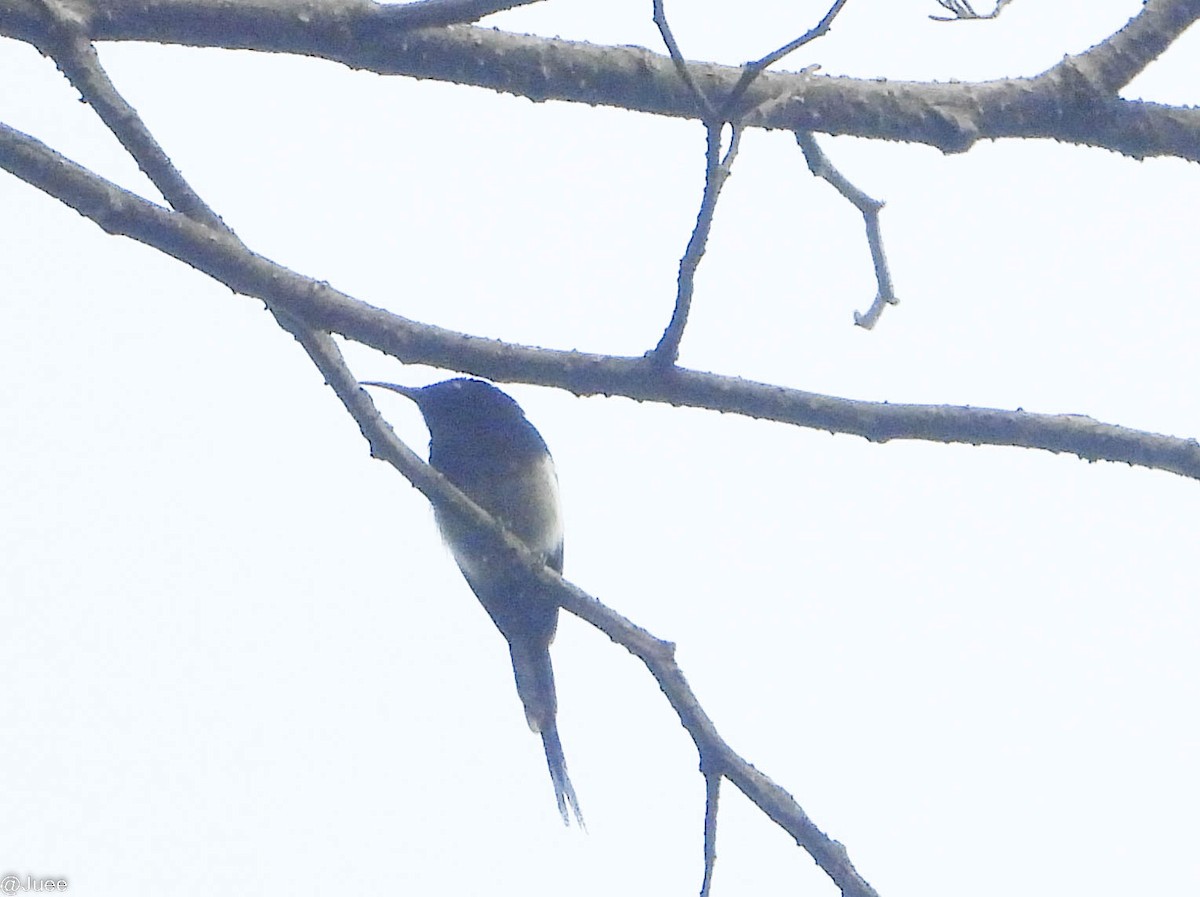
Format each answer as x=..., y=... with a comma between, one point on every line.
x=461, y=407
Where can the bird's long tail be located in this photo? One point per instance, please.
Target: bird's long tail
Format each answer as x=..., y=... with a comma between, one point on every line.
x=535, y=685
x=564, y=791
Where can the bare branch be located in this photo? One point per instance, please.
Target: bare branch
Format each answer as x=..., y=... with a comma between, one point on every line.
x=963, y=12
x=1114, y=62
x=819, y=165
x=752, y=70
x=322, y=307
x=707, y=113
x=65, y=41
x=951, y=117
x=666, y=353
x=717, y=169
x=712, y=797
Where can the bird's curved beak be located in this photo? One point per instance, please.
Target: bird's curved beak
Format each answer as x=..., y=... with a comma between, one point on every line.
x=413, y=392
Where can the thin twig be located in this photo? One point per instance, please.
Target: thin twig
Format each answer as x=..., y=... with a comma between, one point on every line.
x=964, y=13
x=68, y=45
x=717, y=168
x=752, y=70
x=819, y=165
x=707, y=113
x=712, y=797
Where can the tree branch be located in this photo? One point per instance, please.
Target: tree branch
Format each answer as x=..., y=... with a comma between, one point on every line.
x=1113, y=63
x=950, y=117
x=65, y=41
x=322, y=307
x=963, y=12
x=716, y=168
x=716, y=171
x=712, y=797
x=820, y=166
x=752, y=70
x=707, y=112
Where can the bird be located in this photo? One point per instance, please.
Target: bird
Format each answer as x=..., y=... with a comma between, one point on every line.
x=481, y=441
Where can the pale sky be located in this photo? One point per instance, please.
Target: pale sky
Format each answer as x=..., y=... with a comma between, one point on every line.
x=237, y=656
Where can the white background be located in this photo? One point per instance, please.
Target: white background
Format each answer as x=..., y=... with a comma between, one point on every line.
x=235, y=656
